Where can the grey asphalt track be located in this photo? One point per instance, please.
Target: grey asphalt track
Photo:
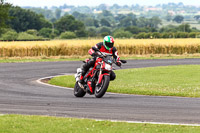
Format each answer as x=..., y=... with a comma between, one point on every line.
x=21, y=94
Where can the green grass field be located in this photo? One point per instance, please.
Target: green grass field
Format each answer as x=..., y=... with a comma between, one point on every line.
x=43, y=124
x=180, y=80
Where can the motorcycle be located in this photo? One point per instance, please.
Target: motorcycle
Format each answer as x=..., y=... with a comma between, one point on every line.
x=97, y=79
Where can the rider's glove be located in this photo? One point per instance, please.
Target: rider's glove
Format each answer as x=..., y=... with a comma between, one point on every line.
x=118, y=63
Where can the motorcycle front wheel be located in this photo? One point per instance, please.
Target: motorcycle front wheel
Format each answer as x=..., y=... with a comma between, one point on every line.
x=101, y=90
x=78, y=91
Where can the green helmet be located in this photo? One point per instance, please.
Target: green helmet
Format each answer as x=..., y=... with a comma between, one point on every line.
x=108, y=42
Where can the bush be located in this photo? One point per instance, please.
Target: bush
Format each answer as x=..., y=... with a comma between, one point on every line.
x=140, y=35
x=92, y=32
x=32, y=32
x=68, y=35
x=81, y=33
x=167, y=35
x=45, y=32
x=10, y=35
x=122, y=34
x=156, y=35
x=181, y=35
x=192, y=35
x=23, y=36
x=147, y=35
x=48, y=32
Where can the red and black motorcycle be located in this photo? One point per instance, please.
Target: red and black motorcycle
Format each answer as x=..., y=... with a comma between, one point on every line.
x=97, y=79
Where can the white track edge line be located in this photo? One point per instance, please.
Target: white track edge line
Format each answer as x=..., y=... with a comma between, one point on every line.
x=40, y=82
x=137, y=122
x=66, y=88
x=156, y=123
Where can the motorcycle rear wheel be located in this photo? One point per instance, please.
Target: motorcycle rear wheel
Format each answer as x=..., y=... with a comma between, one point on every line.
x=101, y=90
x=78, y=91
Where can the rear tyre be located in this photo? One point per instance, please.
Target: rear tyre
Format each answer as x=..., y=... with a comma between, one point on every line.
x=78, y=91
x=101, y=90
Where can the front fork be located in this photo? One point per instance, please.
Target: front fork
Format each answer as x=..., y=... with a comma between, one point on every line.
x=101, y=77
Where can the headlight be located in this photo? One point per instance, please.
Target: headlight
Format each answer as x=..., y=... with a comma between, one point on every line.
x=108, y=67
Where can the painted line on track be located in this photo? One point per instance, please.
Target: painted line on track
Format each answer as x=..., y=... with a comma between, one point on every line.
x=156, y=123
x=136, y=122
x=111, y=93
x=40, y=82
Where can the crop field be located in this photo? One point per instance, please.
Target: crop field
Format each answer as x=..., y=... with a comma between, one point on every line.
x=81, y=47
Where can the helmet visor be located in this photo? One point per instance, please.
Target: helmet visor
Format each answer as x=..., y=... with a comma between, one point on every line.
x=110, y=45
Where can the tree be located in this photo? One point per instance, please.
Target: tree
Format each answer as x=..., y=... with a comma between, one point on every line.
x=58, y=13
x=47, y=13
x=168, y=17
x=104, y=30
x=106, y=13
x=4, y=14
x=178, y=19
x=127, y=21
x=91, y=22
x=23, y=19
x=92, y=32
x=120, y=17
x=69, y=23
x=197, y=17
x=102, y=7
x=142, y=22
x=184, y=28
x=169, y=28
x=154, y=22
x=104, y=22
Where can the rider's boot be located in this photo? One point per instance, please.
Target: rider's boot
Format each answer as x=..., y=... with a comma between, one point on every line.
x=81, y=79
x=83, y=72
x=80, y=82
x=85, y=67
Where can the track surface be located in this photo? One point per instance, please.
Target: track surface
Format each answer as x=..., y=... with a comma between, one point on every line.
x=21, y=94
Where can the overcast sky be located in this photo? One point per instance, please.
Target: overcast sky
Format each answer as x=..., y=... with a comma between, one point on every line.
x=49, y=3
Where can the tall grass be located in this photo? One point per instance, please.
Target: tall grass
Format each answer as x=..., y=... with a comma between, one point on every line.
x=81, y=47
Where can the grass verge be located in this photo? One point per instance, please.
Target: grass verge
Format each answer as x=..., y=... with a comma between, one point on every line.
x=180, y=80
x=78, y=58
x=44, y=124
x=41, y=59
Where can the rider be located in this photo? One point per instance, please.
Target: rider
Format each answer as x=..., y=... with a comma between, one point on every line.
x=106, y=47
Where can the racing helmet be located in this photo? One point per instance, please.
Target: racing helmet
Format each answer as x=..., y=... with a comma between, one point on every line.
x=108, y=42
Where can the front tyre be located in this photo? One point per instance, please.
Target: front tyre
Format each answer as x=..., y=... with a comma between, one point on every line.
x=78, y=91
x=101, y=90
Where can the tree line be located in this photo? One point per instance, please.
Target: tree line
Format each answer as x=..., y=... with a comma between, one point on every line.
x=22, y=24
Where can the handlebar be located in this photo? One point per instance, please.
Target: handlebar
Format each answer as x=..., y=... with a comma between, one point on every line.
x=102, y=55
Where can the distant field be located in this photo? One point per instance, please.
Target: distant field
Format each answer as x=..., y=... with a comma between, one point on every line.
x=80, y=47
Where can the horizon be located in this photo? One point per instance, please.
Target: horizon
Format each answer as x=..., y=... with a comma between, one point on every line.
x=50, y=3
